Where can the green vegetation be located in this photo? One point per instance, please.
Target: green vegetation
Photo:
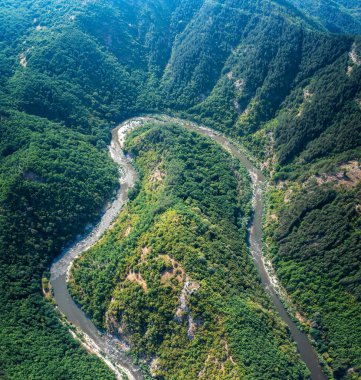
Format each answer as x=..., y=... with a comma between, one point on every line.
x=173, y=277
x=315, y=245
x=269, y=74
x=40, y=163
x=55, y=177
x=319, y=241
x=342, y=16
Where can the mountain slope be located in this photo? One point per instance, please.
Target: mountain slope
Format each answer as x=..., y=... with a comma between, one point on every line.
x=268, y=73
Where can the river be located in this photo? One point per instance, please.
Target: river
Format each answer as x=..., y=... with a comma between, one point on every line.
x=106, y=346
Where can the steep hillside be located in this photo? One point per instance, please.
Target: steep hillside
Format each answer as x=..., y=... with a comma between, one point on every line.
x=53, y=182
x=55, y=178
x=270, y=74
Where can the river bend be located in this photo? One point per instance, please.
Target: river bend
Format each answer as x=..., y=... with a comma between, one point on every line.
x=106, y=346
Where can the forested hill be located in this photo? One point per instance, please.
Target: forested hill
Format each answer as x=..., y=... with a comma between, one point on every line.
x=282, y=77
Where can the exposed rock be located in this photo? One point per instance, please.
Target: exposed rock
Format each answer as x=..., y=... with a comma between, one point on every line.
x=137, y=278
x=307, y=94
x=119, y=330
x=274, y=218
x=349, y=175
x=354, y=57
x=154, y=366
x=355, y=60
x=157, y=176
x=23, y=62
x=193, y=325
x=301, y=318
x=127, y=231
x=238, y=83
x=188, y=288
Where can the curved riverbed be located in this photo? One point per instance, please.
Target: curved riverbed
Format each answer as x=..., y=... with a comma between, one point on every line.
x=307, y=352
x=105, y=345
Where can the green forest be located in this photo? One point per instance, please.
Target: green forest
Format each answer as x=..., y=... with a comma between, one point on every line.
x=183, y=235
x=281, y=77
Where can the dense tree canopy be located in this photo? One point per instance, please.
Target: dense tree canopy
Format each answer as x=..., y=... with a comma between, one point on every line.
x=282, y=77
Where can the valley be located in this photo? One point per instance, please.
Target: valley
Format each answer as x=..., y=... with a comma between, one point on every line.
x=77, y=317
x=172, y=275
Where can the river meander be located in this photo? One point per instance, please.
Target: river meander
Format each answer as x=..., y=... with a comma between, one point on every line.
x=106, y=346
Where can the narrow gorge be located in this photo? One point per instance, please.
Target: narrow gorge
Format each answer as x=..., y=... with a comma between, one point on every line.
x=103, y=343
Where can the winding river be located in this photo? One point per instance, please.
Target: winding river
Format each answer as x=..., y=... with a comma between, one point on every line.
x=108, y=347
